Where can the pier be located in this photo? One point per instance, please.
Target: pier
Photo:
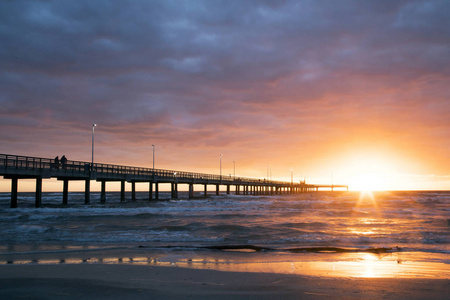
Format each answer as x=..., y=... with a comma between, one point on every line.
x=15, y=167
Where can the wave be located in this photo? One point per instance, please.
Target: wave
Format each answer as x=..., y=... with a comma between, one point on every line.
x=245, y=248
x=313, y=221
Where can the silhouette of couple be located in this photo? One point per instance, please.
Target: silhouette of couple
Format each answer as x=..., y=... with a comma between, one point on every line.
x=63, y=162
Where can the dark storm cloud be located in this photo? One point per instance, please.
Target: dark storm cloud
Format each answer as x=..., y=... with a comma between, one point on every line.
x=212, y=71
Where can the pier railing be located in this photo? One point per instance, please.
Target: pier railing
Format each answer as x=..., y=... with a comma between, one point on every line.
x=15, y=167
x=81, y=168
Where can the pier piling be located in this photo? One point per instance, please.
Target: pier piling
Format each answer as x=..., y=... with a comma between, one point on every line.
x=103, y=192
x=150, y=191
x=65, y=191
x=14, y=186
x=122, y=190
x=38, y=194
x=133, y=191
x=87, y=191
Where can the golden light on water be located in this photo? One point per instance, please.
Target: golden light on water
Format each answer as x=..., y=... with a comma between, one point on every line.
x=369, y=265
x=363, y=265
x=367, y=196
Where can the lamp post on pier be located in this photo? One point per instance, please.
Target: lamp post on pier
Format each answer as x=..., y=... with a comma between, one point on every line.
x=92, y=163
x=153, y=146
x=221, y=167
x=234, y=170
x=292, y=182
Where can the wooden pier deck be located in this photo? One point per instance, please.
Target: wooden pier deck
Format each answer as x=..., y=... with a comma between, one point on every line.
x=15, y=167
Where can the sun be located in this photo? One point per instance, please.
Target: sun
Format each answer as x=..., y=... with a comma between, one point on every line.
x=368, y=182
x=370, y=171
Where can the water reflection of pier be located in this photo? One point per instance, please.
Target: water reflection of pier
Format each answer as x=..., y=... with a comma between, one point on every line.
x=15, y=167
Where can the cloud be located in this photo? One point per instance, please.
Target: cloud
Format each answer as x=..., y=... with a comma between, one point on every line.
x=215, y=74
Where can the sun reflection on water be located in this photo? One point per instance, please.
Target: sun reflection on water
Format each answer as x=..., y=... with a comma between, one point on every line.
x=364, y=265
x=369, y=263
x=367, y=195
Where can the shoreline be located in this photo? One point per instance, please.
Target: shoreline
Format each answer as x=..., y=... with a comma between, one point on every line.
x=119, y=281
x=412, y=265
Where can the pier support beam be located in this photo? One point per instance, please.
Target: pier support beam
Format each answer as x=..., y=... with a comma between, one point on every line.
x=217, y=190
x=122, y=190
x=38, y=197
x=206, y=190
x=87, y=191
x=150, y=191
x=174, y=191
x=65, y=191
x=228, y=189
x=156, y=191
x=103, y=192
x=133, y=190
x=191, y=190
x=14, y=184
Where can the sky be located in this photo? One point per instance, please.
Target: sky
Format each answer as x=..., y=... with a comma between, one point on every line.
x=343, y=92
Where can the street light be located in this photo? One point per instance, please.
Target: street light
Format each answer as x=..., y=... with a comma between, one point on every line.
x=153, y=158
x=292, y=178
x=92, y=165
x=221, y=167
x=234, y=170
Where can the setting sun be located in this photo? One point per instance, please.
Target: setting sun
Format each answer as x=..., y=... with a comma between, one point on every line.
x=374, y=171
x=368, y=182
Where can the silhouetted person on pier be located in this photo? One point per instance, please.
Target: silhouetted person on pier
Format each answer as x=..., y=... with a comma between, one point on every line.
x=63, y=161
x=56, y=162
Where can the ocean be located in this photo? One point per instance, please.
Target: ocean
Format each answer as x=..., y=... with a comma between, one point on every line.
x=393, y=226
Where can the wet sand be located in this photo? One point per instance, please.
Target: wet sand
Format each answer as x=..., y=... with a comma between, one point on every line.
x=121, y=281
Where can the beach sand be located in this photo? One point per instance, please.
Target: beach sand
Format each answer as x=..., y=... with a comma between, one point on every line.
x=122, y=281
